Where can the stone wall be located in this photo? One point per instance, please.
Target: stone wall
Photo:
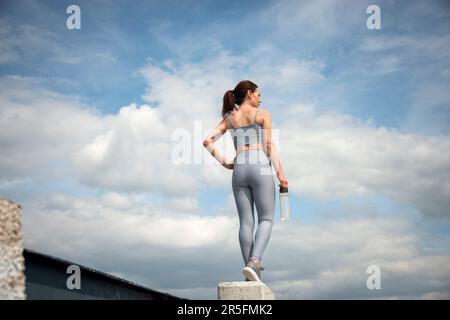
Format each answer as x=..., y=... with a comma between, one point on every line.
x=12, y=266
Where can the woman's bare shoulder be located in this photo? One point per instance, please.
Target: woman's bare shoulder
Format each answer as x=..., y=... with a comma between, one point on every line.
x=229, y=117
x=264, y=115
x=264, y=112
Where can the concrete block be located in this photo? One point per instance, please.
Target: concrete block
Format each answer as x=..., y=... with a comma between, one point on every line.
x=12, y=264
x=244, y=290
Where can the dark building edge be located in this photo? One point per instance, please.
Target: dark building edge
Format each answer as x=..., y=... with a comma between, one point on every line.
x=46, y=279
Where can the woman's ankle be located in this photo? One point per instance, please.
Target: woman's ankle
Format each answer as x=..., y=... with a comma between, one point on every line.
x=257, y=261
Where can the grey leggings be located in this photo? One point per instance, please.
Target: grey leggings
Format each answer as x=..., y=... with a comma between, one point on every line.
x=253, y=183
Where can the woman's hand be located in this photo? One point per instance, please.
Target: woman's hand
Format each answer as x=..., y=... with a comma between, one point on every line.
x=229, y=166
x=283, y=181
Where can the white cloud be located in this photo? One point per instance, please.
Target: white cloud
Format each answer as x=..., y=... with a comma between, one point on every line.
x=49, y=136
x=121, y=216
x=325, y=155
x=184, y=204
x=335, y=155
x=173, y=252
x=116, y=200
x=39, y=129
x=134, y=153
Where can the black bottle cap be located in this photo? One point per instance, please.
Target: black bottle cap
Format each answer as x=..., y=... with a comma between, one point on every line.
x=283, y=189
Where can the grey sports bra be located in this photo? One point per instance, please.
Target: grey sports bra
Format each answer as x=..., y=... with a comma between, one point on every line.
x=247, y=135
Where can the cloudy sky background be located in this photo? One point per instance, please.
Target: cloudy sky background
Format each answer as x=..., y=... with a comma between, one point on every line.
x=363, y=116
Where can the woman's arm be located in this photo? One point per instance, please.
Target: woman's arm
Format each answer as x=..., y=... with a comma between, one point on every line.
x=212, y=137
x=274, y=158
x=272, y=151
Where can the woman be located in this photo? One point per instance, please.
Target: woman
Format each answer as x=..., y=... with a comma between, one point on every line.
x=252, y=180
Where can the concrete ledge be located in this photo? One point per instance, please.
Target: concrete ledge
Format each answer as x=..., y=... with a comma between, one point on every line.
x=244, y=290
x=12, y=275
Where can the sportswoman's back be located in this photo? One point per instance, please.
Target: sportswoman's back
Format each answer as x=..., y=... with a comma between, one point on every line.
x=247, y=135
x=252, y=179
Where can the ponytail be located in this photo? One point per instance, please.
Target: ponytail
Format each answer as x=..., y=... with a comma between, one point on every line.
x=236, y=96
x=228, y=103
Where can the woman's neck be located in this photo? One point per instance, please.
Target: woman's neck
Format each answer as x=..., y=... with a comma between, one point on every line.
x=245, y=106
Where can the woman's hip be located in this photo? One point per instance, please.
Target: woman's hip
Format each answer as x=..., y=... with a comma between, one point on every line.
x=253, y=174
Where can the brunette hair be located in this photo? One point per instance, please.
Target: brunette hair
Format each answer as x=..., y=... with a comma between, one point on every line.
x=236, y=96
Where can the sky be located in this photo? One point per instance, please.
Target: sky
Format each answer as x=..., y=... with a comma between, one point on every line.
x=91, y=120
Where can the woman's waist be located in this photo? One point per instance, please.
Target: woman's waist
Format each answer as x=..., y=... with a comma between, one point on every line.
x=248, y=147
x=251, y=156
